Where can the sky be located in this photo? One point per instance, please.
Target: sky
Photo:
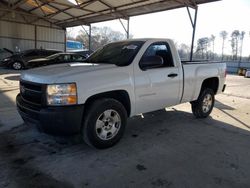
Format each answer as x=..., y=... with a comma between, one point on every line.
x=212, y=18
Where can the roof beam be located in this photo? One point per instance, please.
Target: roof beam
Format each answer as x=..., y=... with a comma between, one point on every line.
x=45, y=15
x=44, y=3
x=4, y=14
x=61, y=11
x=13, y=6
x=186, y=3
x=57, y=12
x=19, y=3
x=106, y=4
x=115, y=8
x=5, y=8
x=109, y=11
x=80, y=6
x=94, y=12
x=193, y=3
x=41, y=5
x=40, y=8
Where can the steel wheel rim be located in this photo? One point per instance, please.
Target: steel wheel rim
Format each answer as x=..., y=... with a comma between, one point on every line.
x=207, y=103
x=108, y=124
x=17, y=65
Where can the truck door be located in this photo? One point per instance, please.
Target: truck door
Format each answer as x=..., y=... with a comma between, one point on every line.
x=157, y=86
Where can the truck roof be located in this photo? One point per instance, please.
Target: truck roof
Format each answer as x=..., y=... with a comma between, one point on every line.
x=145, y=39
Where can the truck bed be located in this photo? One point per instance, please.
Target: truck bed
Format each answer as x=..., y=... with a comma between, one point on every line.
x=200, y=62
x=195, y=72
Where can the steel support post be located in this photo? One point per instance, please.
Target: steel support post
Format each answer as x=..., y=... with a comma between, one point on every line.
x=35, y=37
x=65, y=39
x=128, y=28
x=90, y=37
x=125, y=29
x=194, y=29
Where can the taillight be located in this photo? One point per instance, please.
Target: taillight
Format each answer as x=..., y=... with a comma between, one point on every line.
x=225, y=74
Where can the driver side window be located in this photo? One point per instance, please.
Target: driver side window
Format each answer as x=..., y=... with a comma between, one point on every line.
x=60, y=58
x=65, y=57
x=162, y=50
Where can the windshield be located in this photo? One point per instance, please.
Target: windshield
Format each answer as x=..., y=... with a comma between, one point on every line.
x=119, y=53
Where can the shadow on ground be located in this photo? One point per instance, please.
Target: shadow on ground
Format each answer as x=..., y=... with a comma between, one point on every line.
x=15, y=78
x=222, y=106
x=5, y=70
x=163, y=149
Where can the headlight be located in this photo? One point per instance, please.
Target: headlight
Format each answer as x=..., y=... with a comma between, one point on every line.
x=6, y=59
x=61, y=94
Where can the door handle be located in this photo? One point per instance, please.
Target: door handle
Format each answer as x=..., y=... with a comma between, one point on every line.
x=172, y=75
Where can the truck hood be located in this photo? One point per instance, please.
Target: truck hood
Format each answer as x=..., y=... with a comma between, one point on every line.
x=54, y=73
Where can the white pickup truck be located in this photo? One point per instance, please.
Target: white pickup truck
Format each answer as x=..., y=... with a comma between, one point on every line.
x=120, y=80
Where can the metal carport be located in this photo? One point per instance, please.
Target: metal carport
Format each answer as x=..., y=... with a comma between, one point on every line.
x=59, y=14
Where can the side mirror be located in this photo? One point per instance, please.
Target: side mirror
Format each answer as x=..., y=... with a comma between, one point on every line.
x=151, y=62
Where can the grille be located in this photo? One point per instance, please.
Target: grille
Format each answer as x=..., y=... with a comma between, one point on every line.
x=31, y=92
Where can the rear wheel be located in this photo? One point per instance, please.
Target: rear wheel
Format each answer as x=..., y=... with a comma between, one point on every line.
x=203, y=106
x=104, y=123
x=17, y=65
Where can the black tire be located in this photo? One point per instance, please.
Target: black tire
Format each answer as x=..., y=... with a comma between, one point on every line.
x=17, y=65
x=200, y=108
x=90, y=132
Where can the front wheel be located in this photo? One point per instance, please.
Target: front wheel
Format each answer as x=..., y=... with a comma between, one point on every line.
x=203, y=106
x=104, y=123
x=17, y=65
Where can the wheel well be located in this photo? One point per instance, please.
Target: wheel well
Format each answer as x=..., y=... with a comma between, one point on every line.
x=120, y=95
x=211, y=83
x=17, y=61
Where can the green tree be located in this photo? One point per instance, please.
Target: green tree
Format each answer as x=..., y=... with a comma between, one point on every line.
x=184, y=51
x=100, y=36
x=242, y=35
x=235, y=37
x=223, y=35
x=83, y=37
x=202, y=46
x=212, y=39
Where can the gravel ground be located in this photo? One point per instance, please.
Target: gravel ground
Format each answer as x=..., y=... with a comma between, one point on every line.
x=166, y=148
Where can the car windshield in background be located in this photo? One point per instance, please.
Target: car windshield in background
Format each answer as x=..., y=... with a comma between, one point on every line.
x=119, y=53
x=52, y=56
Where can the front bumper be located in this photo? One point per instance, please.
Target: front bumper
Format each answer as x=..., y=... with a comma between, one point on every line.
x=5, y=63
x=63, y=120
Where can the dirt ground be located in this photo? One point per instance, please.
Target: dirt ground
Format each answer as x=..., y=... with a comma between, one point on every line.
x=167, y=148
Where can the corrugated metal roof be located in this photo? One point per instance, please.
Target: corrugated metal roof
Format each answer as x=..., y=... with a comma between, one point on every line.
x=67, y=13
